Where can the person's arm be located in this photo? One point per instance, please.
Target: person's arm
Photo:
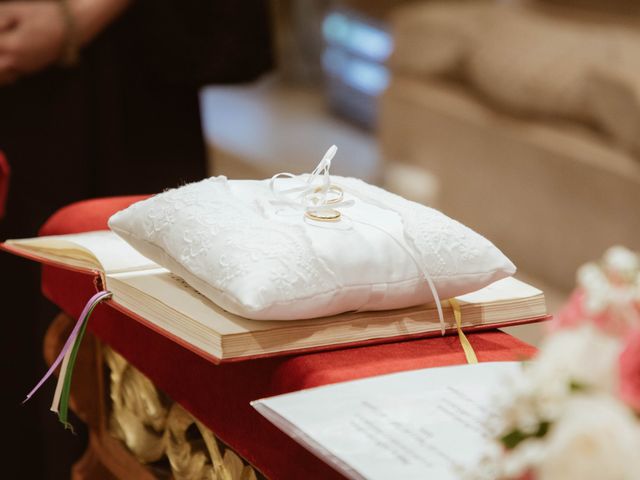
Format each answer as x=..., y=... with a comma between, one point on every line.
x=35, y=34
x=92, y=16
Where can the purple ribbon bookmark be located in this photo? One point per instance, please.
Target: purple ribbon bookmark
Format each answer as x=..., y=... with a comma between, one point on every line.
x=93, y=301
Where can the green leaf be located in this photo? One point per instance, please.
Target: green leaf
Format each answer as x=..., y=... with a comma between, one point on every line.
x=576, y=386
x=512, y=439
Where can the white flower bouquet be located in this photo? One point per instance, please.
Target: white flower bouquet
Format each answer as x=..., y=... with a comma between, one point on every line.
x=573, y=414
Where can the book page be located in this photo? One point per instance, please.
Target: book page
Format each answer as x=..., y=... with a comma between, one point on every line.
x=101, y=249
x=168, y=294
x=509, y=288
x=429, y=423
x=170, y=303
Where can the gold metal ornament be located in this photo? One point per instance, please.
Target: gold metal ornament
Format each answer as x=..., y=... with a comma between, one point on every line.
x=152, y=426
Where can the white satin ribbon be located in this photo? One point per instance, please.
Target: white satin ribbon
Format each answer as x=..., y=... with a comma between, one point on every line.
x=309, y=197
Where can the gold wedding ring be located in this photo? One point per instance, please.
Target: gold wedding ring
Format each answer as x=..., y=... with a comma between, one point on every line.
x=336, y=190
x=330, y=215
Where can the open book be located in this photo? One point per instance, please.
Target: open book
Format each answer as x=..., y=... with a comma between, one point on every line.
x=156, y=296
x=433, y=423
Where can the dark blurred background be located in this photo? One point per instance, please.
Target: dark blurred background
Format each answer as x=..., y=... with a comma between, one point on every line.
x=518, y=118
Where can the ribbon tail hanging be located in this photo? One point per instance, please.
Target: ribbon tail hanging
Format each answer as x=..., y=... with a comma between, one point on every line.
x=68, y=356
x=469, y=352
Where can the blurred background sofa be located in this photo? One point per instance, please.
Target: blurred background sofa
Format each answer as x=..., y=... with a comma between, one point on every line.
x=527, y=116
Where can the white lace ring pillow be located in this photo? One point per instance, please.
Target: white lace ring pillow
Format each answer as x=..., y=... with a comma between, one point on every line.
x=263, y=260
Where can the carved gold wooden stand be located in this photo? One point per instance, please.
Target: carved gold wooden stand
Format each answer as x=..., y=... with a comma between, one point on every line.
x=135, y=431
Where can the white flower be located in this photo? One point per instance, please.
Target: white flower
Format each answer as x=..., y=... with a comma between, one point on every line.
x=596, y=286
x=518, y=461
x=579, y=358
x=591, y=276
x=621, y=260
x=615, y=286
x=584, y=355
x=597, y=438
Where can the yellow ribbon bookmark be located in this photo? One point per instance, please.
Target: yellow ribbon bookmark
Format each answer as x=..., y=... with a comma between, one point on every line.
x=469, y=353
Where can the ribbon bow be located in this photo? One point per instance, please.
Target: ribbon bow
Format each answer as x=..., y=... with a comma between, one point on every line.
x=318, y=202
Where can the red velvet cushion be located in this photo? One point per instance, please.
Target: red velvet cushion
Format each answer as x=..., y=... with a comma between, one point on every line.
x=86, y=215
x=219, y=395
x=4, y=183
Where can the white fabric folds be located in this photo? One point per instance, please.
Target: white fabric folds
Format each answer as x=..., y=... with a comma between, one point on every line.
x=238, y=244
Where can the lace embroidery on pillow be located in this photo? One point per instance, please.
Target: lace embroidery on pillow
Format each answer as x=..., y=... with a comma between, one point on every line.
x=447, y=247
x=221, y=239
